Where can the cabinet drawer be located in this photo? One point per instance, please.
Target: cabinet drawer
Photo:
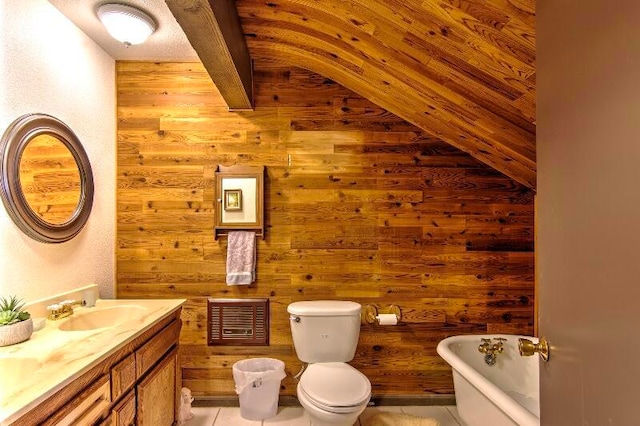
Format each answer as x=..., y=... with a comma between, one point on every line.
x=123, y=376
x=156, y=347
x=87, y=407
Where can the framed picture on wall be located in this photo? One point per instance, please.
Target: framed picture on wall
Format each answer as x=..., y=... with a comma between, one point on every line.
x=233, y=199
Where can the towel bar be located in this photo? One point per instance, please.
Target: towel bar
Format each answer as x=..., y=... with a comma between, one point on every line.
x=220, y=233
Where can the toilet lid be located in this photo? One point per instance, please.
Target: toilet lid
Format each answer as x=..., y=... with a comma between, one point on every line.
x=335, y=386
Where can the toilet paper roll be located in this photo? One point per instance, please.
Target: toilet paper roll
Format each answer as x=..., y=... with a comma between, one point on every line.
x=387, y=319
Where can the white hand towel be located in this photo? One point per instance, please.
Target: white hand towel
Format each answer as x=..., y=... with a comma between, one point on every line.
x=241, y=258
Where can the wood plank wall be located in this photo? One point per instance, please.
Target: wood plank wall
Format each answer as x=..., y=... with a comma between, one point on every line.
x=360, y=205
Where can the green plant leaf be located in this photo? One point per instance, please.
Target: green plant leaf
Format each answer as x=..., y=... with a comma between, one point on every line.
x=8, y=317
x=11, y=311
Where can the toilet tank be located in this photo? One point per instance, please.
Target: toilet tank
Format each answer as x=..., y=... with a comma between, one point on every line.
x=325, y=330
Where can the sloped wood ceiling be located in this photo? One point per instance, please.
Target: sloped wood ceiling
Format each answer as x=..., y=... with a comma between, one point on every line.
x=462, y=70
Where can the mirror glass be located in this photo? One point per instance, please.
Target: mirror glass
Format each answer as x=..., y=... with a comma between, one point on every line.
x=46, y=179
x=50, y=179
x=239, y=200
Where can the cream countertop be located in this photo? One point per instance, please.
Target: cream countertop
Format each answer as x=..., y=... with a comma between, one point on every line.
x=32, y=371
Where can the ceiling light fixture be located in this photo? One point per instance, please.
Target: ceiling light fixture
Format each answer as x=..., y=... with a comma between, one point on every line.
x=125, y=23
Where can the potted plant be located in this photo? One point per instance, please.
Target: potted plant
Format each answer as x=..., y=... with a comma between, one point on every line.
x=15, y=323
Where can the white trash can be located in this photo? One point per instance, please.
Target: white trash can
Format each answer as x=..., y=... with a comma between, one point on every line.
x=258, y=384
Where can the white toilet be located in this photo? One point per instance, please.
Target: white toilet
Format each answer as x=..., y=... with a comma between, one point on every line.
x=325, y=335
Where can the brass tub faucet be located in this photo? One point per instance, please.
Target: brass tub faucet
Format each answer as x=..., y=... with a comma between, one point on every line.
x=491, y=350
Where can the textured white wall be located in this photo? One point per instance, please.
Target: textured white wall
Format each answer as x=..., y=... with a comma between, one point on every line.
x=47, y=65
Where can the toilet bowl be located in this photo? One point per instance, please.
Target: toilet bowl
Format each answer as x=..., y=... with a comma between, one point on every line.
x=333, y=393
x=325, y=336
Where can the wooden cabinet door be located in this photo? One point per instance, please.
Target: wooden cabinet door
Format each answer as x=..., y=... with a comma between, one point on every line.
x=157, y=393
x=123, y=413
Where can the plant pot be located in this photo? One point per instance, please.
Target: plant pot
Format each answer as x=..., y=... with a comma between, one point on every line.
x=15, y=333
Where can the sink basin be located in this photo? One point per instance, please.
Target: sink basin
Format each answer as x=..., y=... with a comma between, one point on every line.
x=94, y=318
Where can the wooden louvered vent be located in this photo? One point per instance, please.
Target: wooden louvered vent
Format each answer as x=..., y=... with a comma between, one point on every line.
x=238, y=322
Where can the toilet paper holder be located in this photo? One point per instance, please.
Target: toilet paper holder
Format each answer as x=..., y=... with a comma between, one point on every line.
x=371, y=313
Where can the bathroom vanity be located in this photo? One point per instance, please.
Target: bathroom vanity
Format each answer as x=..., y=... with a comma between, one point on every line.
x=112, y=364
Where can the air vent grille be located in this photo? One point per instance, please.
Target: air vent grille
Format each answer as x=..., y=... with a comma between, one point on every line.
x=238, y=322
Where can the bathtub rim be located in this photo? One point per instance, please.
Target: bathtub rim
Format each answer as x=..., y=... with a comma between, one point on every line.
x=491, y=391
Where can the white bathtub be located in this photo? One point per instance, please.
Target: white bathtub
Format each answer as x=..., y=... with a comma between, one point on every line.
x=507, y=393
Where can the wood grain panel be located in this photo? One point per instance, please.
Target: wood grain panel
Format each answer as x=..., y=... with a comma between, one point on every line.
x=370, y=208
x=463, y=71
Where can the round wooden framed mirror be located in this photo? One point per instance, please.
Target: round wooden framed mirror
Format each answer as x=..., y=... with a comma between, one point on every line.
x=47, y=182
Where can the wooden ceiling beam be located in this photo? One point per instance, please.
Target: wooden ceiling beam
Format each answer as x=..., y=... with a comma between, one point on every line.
x=213, y=29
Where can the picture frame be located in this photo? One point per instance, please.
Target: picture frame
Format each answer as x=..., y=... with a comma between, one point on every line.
x=233, y=200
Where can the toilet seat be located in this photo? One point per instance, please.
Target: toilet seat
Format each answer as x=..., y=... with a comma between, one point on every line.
x=336, y=387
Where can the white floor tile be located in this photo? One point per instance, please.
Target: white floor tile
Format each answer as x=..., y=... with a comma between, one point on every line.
x=230, y=416
x=294, y=416
x=289, y=416
x=203, y=416
x=439, y=413
x=454, y=412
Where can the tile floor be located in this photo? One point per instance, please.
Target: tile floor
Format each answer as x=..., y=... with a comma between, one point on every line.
x=294, y=416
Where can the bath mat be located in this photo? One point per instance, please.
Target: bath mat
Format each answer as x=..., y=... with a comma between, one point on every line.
x=385, y=418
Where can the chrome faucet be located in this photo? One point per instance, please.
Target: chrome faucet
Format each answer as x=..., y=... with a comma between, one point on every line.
x=63, y=309
x=491, y=351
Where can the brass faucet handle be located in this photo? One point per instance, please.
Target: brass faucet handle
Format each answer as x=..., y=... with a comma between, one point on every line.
x=56, y=307
x=484, y=346
x=63, y=309
x=498, y=347
x=57, y=311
